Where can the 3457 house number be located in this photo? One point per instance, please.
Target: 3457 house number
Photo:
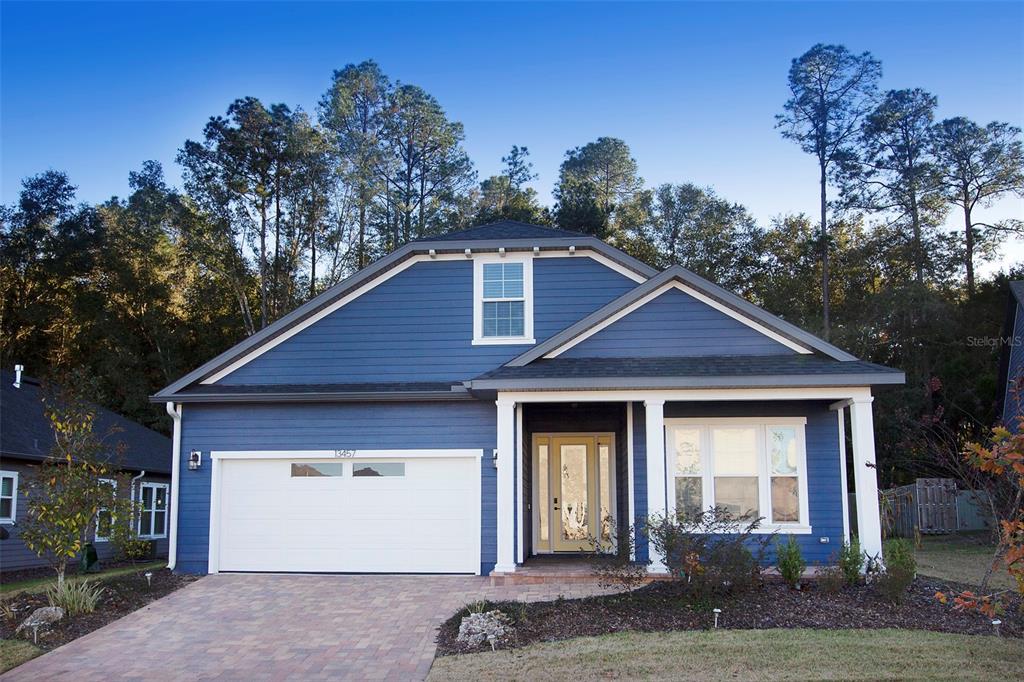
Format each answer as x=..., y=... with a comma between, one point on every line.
x=344, y=454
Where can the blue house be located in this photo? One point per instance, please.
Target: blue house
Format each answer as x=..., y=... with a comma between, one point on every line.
x=1011, y=358
x=477, y=399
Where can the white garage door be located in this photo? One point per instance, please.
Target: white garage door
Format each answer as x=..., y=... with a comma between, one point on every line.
x=373, y=515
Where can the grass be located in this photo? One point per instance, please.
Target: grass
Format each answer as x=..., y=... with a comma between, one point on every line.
x=962, y=558
x=748, y=655
x=40, y=584
x=14, y=652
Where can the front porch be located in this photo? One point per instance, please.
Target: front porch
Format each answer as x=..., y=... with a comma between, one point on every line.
x=605, y=436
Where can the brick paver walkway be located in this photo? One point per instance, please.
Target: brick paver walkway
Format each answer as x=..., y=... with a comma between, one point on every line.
x=281, y=627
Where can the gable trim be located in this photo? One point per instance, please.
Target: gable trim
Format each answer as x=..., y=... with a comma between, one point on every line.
x=607, y=322
x=710, y=293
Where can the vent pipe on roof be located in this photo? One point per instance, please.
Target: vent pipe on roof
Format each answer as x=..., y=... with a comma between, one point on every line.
x=18, y=369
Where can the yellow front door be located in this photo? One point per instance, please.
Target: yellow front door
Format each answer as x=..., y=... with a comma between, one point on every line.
x=573, y=491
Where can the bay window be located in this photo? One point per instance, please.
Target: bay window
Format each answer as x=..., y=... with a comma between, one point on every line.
x=754, y=468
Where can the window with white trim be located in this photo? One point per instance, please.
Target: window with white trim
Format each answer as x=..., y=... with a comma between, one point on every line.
x=503, y=306
x=754, y=468
x=153, y=510
x=104, y=518
x=8, y=496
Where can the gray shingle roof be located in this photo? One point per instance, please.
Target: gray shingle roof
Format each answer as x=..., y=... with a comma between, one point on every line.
x=506, y=229
x=689, y=372
x=25, y=432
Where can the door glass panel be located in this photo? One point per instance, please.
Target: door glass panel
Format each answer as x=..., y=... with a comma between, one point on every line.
x=543, y=495
x=575, y=524
x=378, y=469
x=304, y=469
x=604, y=475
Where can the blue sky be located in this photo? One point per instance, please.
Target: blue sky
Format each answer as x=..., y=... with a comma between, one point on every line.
x=96, y=89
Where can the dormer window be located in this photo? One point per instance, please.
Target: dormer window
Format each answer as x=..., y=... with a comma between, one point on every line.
x=503, y=293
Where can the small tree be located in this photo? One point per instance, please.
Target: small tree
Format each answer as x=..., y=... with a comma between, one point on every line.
x=66, y=492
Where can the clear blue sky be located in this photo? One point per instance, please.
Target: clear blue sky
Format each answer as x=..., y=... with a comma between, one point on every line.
x=96, y=89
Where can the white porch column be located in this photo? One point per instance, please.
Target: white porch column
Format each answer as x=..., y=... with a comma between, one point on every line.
x=506, y=486
x=865, y=476
x=656, y=501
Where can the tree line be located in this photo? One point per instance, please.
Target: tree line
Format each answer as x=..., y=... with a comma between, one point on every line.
x=278, y=203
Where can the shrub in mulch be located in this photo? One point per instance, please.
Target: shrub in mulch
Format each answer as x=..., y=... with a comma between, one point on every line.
x=660, y=606
x=121, y=596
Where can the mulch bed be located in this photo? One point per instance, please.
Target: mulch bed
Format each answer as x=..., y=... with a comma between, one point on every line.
x=660, y=607
x=121, y=595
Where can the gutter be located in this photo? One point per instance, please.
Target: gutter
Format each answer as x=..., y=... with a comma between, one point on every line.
x=314, y=397
x=172, y=544
x=687, y=382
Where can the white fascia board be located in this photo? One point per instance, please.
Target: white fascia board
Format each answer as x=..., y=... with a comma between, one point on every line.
x=690, y=395
x=739, y=317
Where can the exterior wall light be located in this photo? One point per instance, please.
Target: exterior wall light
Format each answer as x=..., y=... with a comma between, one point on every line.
x=195, y=458
x=494, y=459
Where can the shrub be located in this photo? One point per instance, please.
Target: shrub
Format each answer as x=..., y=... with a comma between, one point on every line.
x=851, y=561
x=75, y=597
x=790, y=562
x=617, y=569
x=831, y=579
x=900, y=568
x=711, y=552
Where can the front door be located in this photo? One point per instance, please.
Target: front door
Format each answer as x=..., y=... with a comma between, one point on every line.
x=573, y=477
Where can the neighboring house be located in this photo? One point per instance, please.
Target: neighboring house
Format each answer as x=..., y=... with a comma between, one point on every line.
x=26, y=438
x=475, y=399
x=1011, y=359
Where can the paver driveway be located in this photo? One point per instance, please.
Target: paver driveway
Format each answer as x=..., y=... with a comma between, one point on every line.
x=260, y=627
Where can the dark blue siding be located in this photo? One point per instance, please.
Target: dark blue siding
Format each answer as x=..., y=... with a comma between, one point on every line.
x=640, y=476
x=1012, y=403
x=824, y=482
x=323, y=427
x=675, y=324
x=418, y=326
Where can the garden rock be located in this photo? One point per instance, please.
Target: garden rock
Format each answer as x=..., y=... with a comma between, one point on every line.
x=492, y=627
x=41, y=617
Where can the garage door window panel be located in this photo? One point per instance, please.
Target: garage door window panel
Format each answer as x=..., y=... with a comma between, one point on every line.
x=378, y=469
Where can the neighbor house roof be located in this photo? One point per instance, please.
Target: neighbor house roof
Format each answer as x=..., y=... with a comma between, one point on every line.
x=25, y=431
x=733, y=371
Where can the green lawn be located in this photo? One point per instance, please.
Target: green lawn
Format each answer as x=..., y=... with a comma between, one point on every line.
x=749, y=655
x=14, y=652
x=962, y=558
x=40, y=584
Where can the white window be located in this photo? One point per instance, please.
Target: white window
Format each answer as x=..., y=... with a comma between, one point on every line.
x=8, y=496
x=103, y=516
x=153, y=510
x=754, y=468
x=503, y=300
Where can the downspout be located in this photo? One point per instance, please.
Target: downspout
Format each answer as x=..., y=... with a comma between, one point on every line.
x=131, y=487
x=172, y=548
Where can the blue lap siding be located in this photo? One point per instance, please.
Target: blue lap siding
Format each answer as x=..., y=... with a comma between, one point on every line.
x=462, y=425
x=418, y=326
x=824, y=481
x=675, y=325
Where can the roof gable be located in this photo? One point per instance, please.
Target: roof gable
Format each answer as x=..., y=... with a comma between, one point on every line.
x=673, y=323
x=698, y=288
x=523, y=238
